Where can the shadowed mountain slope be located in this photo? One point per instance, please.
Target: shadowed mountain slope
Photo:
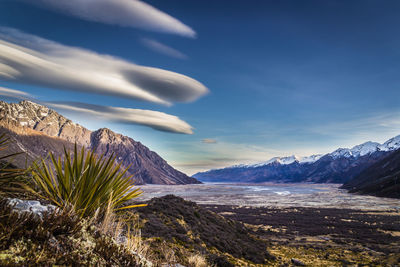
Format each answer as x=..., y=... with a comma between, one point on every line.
x=381, y=179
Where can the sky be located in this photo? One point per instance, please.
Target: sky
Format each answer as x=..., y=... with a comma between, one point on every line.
x=209, y=84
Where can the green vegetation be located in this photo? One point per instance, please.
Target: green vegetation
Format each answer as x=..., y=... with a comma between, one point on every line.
x=59, y=238
x=83, y=181
x=88, y=190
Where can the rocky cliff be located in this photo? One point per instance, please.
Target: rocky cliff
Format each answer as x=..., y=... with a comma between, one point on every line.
x=38, y=130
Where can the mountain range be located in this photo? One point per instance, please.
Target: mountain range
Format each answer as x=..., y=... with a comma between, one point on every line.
x=36, y=130
x=340, y=166
x=380, y=179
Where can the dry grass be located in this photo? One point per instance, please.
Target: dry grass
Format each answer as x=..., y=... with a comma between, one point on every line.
x=197, y=260
x=120, y=229
x=110, y=224
x=134, y=242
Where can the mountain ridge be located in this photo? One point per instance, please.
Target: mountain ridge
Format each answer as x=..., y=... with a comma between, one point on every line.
x=339, y=166
x=37, y=128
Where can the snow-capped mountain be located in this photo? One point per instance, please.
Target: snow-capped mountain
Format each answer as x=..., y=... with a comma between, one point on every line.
x=357, y=151
x=379, y=179
x=338, y=166
x=310, y=159
x=391, y=144
x=289, y=160
x=280, y=160
x=367, y=148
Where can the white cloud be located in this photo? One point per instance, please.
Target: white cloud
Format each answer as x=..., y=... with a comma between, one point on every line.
x=153, y=119
x=14, y=93
x=162, y=49
x=32, y=60
x=157, y=120
x=129, y=13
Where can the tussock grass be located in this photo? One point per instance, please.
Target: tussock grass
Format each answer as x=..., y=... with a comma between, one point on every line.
x=197, y=260
x=85, y=181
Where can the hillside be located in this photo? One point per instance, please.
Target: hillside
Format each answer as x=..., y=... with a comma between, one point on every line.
x=186, y=224
x=38, y=130
x=381, y=179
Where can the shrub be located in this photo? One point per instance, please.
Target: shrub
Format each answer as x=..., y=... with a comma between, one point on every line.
x=83, y=181
x=57, y=239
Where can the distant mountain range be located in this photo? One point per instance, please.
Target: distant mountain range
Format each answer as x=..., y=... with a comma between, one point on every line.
x=37, y=130
x=340, y=166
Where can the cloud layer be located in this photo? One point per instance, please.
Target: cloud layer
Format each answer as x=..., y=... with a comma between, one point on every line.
x=157, y=120
x=14, y=93
x=162, y=49
x=32, y=60
x=130, y=13
x=154, y=119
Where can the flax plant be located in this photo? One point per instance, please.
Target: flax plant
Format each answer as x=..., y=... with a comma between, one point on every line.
x=84, y=181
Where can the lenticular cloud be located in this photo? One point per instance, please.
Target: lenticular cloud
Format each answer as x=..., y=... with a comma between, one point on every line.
x=29, y=59
x=154, y=119
x=130, y=13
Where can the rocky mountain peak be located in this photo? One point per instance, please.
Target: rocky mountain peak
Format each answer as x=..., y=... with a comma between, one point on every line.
x=391, y=144
x=146, y=165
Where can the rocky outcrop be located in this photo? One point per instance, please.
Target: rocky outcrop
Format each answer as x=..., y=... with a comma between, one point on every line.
x=44, y=120
x=38, y=130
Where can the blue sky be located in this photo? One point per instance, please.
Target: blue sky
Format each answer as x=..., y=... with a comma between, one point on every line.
x=262, y=78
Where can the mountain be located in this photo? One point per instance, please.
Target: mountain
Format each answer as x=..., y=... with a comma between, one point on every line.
x=380, y=179
x=37, y=130
x=340, y=166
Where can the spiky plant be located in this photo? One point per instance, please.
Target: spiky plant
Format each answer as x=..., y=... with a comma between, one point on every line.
x=84, y=181
x=10, y=177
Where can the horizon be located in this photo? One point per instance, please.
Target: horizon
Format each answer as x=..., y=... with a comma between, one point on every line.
x=240, y=164
x=221, y=84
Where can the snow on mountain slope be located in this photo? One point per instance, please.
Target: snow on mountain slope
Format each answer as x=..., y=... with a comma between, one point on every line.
x=310, y=159
x=356, y=152
x=280, y=160
x=391, y=144
x=365, y=148
x=288, y=160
